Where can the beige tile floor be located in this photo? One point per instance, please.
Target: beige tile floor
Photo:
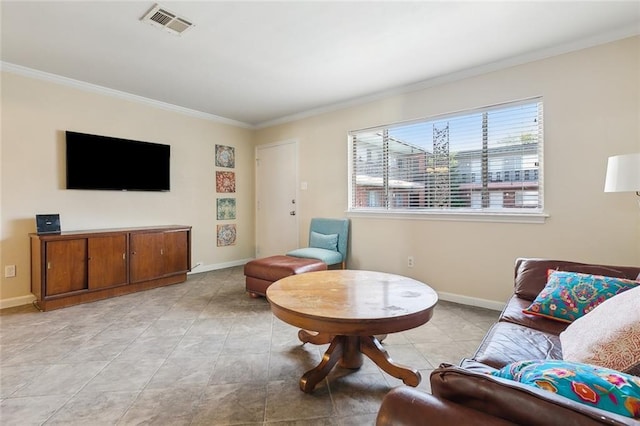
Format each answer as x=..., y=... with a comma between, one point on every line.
x=199, y=353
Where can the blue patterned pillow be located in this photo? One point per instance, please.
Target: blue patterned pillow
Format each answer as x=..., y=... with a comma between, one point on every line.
x=598, y=387
x=570, y=295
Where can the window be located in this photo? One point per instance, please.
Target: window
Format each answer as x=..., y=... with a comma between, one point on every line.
x=481, y=161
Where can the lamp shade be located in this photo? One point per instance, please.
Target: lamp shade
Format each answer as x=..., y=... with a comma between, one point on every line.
x=623, y=173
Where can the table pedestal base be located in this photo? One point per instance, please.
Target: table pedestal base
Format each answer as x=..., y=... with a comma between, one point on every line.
x=349, y=351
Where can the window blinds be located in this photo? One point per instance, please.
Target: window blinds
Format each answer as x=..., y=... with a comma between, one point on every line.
x=481, y=160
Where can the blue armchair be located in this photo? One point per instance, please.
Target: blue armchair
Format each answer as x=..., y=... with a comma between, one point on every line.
x=328, y=241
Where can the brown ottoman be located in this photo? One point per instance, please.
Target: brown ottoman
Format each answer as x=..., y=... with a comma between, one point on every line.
x=261, y=273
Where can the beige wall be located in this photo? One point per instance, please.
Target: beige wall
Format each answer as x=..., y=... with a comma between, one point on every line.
x=35, y=114
x=591, y=110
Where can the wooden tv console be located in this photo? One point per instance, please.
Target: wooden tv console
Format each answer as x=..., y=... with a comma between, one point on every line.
x=75, y=267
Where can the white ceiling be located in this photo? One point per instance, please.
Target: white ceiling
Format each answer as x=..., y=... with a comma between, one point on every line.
x=265, y=62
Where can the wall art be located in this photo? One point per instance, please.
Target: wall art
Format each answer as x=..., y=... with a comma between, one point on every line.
x=226, y=208
x=225, y=156
x=226, y=235
x=225, y=182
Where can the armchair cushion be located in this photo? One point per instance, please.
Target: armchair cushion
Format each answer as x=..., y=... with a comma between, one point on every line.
x=329, y=257
x=323, y=241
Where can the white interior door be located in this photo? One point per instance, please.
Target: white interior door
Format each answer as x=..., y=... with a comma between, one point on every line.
x=276, y=198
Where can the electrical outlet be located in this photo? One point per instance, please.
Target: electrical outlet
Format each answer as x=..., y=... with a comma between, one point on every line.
x=410, y=261
x=10, y=271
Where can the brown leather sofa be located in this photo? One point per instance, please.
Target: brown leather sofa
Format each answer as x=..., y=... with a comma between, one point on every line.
x=465, y=394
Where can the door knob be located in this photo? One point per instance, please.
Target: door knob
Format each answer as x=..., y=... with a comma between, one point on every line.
x=292, y=212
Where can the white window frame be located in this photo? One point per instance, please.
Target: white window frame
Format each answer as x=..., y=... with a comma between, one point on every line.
x=486, y=214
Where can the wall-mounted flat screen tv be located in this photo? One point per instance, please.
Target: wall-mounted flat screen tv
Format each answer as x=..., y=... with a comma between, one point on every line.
x=108, y=163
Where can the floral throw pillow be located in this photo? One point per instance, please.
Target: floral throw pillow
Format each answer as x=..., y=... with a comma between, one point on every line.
x=587, y=384
x=570, y=295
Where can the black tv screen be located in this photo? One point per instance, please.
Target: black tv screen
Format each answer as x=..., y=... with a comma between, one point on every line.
x=107, y=163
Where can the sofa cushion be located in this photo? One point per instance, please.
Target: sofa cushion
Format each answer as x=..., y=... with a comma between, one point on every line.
x=506, y=343
x=598, y=387
x=514, y=401
x=472, y=365
x=570, y=295
x=531, y=274
x=609, y=336
x=513, y=312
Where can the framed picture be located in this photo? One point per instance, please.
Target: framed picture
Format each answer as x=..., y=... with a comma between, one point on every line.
x=226, y=235
x=225, y=182
x=225, y=208
x=225, y=156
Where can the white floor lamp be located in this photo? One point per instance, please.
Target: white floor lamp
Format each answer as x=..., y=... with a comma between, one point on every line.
x=623, y=174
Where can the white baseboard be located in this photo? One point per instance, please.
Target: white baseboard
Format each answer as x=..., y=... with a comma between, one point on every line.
x=196, y=269
x=17, y=301
x=450, y=297
x=471, y=301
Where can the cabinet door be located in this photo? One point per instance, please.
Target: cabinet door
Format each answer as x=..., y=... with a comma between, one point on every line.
x=175, y=252
x=107, y=261
x=66, y=266
x=146, y=256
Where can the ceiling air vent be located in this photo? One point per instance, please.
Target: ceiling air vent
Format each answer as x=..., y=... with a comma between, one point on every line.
x=162, y=18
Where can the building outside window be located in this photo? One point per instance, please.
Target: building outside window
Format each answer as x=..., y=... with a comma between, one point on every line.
x=486, y=160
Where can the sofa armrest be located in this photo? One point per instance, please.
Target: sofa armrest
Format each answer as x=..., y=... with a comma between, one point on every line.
x=405, y=406
x=516, y=402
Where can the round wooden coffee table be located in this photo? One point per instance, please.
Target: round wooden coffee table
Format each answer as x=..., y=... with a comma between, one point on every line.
x=349, y=308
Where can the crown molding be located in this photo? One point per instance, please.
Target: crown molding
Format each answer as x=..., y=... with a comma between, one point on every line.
x=94, y=88
x=585, y=43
